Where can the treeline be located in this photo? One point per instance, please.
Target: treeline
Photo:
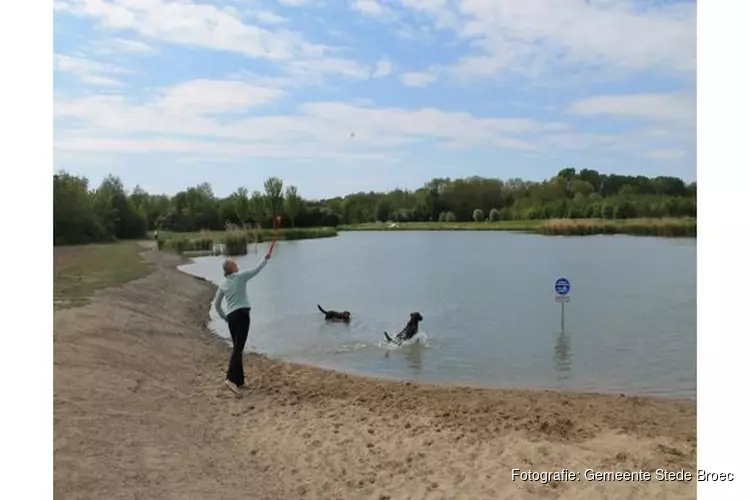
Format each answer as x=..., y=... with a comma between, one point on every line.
x=570, y=194
x=109, y=212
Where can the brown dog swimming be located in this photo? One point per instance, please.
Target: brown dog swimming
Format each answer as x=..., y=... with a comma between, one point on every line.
x=410, y=330
x=344, y=316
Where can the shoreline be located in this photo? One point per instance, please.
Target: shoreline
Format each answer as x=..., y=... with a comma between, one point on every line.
x=448, y=385
x=645, y=227
x=140, y=411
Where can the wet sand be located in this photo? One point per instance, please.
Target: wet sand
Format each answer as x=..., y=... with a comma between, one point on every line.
x=141, y=413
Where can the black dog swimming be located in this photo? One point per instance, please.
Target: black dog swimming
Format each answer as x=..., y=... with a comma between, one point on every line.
x=344, y=316
x=409, y=331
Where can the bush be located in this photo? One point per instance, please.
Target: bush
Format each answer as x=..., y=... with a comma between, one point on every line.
x=478, y=215
x=180, y=244
x=608, y=211
x=235, y=242
x=449, y=217
x=495, y=215
x=625, y=210
x=177, y=245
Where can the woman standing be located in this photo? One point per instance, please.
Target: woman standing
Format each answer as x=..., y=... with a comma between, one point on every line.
x=237, y=316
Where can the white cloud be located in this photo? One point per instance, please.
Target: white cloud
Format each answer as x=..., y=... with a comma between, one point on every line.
x=666, y=154
x=663, y=107
x=578, y=141
x=89, y=71
x=197, y=24
x=268, y=17
x=100, y=145
x=329, y=66
x=202, y=25
x=384, y=67
x=443, y=14
x=372, y=8
x=199, y=108
x=123, y=45
x=420, y=78
x=535, y=37
x=294, y=3
x=218, y=118
x=215, y=96
x=100, y=81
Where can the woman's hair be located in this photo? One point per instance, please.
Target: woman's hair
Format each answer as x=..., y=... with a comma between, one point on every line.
x=227, y=267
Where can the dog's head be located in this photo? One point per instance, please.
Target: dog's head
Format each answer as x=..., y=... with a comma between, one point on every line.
x=415, y=317
x=346, y=315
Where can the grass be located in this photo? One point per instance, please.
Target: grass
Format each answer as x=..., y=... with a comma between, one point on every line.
x=670, y=227
x=79, y=271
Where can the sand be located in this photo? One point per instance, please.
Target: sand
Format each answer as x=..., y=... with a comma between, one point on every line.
x=141, y=413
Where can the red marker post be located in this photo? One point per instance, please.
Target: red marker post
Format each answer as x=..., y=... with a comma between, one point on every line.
x=276, y=226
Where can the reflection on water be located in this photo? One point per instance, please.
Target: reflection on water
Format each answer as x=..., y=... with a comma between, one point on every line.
x=411, y=353
x=414, y=358
x=562, y=356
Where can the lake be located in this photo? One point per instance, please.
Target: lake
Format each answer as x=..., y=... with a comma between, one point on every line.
x=490, y=318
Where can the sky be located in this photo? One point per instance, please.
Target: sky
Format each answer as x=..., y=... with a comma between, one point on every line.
x=359, y=95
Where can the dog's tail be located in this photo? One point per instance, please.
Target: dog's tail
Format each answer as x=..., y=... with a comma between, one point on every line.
x=322, y=310
x=387, y=337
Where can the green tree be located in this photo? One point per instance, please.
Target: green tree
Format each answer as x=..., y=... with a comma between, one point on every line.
x=257, y=207
x=109, y=212
x=584, y=188
x=74, y=220
x=117, y=216
x=242, y=205
x=383, y=209
x=274, y=196
x=293, y=203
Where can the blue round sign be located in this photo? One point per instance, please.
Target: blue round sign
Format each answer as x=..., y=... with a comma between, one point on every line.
x=562, y=286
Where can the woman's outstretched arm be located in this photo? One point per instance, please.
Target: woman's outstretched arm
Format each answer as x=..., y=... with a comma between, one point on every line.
x=251, y=273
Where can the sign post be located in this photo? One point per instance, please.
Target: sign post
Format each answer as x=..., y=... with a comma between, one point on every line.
x=562, y=295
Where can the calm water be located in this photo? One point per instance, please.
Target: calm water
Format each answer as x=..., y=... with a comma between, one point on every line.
x=489, y=309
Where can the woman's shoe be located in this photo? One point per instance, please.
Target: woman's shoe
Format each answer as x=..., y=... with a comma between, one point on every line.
x=233, y=387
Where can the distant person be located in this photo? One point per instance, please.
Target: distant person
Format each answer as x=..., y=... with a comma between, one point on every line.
x=156, y=235
x=237, y=316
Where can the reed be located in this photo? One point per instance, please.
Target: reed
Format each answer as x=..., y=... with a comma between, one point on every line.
x=264, y=235
x=235, y=242
x=305, y=233
x=505, y=225
x=665, y=227
x=202, y=242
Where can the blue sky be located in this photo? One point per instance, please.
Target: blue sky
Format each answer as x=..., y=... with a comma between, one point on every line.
x=342, y=96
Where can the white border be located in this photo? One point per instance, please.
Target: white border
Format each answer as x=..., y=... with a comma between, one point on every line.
x=26, y=355
x=723, y=184
x=26, y=249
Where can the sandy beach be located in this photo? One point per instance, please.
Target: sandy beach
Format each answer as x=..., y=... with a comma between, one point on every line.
x=141, y=413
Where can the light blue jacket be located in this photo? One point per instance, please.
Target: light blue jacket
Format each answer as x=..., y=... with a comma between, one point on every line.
x=234, y=290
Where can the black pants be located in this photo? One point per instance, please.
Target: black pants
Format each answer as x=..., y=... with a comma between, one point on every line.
x=239, y=326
